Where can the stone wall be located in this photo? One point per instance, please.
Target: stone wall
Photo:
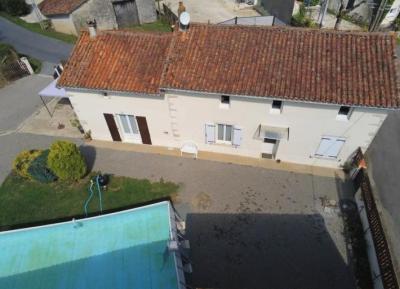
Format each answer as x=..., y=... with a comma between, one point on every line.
x=103, y=12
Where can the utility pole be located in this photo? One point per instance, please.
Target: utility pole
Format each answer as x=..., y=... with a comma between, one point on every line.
x=322, y=12
x=378, y=16
x=339, y=15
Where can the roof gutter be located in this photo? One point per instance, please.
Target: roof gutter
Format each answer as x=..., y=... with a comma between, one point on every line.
x=100, y=91
x=277, y=98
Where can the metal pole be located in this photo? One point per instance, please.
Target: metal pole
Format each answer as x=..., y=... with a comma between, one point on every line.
x=378, y=16
x=38, y=13
x=324, y=9
x=45, y=105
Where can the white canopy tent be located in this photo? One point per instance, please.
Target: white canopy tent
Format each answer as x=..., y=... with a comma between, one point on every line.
x=52, y=91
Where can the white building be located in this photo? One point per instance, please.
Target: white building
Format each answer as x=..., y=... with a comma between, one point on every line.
x=295, y=95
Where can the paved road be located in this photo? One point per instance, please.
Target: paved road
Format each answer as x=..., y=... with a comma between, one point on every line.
x=19, y=100
x=33, y=44
x=384, y=167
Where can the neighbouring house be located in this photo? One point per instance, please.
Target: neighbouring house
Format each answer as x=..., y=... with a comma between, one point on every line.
x=296, y=95
x=69, y=16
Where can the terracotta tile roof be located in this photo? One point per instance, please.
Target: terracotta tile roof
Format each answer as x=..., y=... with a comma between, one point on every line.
x=117, y=61
x=286, y=63
x=277, y=62
x=59, y=7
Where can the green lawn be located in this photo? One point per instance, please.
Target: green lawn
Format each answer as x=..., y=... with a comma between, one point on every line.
x=23, y=201
x=158, y=26
x=35, y=27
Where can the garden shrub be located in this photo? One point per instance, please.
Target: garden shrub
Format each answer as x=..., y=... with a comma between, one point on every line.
x=23, y=161
x=66, y=161
x=15, y=7
x=39, y=171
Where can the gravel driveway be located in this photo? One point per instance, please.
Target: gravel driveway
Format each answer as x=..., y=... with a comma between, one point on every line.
x=249, y=228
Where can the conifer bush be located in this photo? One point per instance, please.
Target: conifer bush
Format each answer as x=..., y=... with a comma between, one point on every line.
x=66, y=161
x=23, y=161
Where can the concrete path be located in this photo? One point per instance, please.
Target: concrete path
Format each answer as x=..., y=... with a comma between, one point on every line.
x=247, y=226
x=33, y=44
x=215, y=11
x=384, y=168
x=19, y=100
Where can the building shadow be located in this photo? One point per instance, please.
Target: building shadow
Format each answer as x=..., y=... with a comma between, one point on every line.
x=258, y=251
x=89, y=152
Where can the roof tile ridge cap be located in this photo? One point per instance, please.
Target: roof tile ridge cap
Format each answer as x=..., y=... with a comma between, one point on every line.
x=167, y=58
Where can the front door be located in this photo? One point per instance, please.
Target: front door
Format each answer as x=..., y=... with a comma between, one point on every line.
x=129, y=128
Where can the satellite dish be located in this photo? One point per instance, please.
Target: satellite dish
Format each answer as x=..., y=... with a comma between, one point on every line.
x=184, y=18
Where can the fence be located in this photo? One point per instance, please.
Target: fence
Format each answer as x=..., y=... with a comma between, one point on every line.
x=14, y=70
x=254, y=20
x=169, y=16
x=387, y=275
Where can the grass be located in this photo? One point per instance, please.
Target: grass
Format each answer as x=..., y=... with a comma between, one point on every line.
x=24, y=201
x=158, y=26
x=35, y=27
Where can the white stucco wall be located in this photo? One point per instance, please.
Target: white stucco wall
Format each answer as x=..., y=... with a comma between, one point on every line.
x=307, y=123
x=63, y=24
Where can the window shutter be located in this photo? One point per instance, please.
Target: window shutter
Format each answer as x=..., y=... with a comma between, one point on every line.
x=237, y=136
x=334, y=150
x=325, y=144
x=210, y=133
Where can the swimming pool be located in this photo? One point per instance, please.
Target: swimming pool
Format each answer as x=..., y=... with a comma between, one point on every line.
x=122, y=250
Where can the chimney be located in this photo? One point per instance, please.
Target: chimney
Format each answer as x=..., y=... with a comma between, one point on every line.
x=92, y=28
x=181, y=8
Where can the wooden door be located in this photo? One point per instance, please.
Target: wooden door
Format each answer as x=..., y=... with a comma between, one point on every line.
x=126, y=13
x=112, y=126
x=144, y=130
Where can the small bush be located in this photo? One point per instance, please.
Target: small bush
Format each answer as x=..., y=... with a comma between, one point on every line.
x=301, y=19
x=39, y=171
x=15, y=7
x=66, y=161
x=23, y=161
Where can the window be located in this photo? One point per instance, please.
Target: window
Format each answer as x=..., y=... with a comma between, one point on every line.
x=276, y=106
x=224, y=133
x=225, y=102
x=225, y=99
x=329, y=147
x=344, y=113
x=270, y=140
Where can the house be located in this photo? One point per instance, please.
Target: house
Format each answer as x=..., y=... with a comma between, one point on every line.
x=69, y=16
x=290, y=94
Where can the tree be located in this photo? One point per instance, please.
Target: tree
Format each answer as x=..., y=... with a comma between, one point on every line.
x=15, y=7
x=342, y=11
x=66, y=161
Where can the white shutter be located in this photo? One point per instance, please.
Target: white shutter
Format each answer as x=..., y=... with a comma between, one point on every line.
x=237, y=136
x=210, y=133
x=334, y=149
x=329, y=147
x=324, y=145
